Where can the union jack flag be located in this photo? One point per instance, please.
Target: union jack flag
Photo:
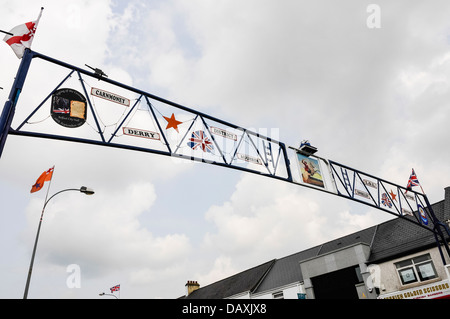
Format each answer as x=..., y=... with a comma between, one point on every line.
x=115, y=288
x=61, y=111
x=385, y=200
x=200, y=140
x=413, y=181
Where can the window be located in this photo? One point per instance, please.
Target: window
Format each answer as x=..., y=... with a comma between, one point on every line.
x=416, y=269
x=278, y=295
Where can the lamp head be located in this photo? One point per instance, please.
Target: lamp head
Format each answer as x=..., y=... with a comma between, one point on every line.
x=87, y=190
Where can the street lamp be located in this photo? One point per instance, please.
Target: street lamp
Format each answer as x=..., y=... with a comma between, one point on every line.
x=86, y=190
x=103, y=294
x=82, y=189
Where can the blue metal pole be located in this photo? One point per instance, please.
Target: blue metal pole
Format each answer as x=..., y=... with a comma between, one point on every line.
x=10, y=105
x=438, y=232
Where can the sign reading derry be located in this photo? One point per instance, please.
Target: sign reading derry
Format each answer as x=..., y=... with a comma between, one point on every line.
x=141, y=133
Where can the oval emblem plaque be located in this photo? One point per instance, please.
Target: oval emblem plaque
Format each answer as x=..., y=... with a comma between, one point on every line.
x=68, y=108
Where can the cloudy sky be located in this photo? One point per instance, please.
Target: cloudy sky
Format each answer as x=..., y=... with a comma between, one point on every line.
x=367, y=85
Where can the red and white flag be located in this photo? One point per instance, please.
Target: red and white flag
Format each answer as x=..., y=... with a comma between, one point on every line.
x=22, y=36
x=115, y=288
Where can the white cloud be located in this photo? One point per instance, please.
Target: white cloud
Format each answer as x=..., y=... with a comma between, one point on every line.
x=104, y=229
x=222, y=268
x=266, y=219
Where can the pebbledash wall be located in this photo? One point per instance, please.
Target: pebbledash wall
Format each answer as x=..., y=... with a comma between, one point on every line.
x=389, y=281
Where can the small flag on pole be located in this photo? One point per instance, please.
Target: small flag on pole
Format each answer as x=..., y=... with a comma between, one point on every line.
x=115, y=288
x=21, y=36
x=413, y=181
x=46, y=176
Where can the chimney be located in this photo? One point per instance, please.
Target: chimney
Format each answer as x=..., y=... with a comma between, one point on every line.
x=191, y=286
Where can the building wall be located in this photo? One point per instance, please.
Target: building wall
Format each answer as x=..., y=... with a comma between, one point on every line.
x=385, y=275
x=353, y=255
x=243, y=295
x=289, y=292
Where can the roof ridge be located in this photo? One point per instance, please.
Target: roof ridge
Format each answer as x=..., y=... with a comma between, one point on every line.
x=263, y=276
x=241, y=272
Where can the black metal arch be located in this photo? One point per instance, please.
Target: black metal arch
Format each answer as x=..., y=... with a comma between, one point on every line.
x=270, y=155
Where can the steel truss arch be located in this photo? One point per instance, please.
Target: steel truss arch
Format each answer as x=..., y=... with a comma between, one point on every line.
x=229, y=146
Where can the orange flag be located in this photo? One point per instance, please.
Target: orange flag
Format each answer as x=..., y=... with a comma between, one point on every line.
x=46, y=176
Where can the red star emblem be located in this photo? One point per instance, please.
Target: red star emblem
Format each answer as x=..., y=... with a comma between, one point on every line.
x=393, y=196
x=172, y=122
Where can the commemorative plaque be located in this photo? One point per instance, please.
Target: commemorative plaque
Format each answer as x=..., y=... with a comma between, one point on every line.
x=68, y=108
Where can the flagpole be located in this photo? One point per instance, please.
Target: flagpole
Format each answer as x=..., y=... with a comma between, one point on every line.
x=420, y=185
x=82, y=189
x=39, y=17
x=48, y=189
x=8, y=33
x=25, y=294
x=30, y=270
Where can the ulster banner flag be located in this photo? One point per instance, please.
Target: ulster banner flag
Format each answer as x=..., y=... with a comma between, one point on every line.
x=46, y=176
x=22, y=36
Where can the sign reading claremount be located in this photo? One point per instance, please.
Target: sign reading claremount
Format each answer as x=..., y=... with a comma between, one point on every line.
x=110, y=96
x=223, y=133
x=68, y=108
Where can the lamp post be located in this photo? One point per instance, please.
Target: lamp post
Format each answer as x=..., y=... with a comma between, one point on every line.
x=82, y=189
x=103, y=294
